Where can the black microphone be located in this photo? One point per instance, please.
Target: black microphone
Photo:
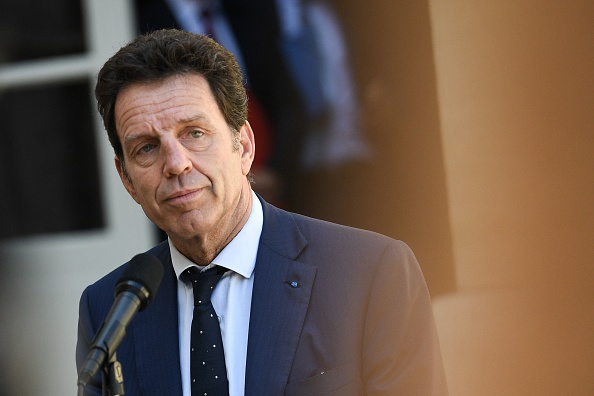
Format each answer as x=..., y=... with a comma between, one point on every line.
x=134, y=291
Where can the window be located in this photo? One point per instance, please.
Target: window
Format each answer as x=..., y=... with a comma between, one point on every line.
x=48, y=156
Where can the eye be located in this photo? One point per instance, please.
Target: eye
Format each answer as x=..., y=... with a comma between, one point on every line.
x=195, y=138
x=147, y=148
x=196, y=134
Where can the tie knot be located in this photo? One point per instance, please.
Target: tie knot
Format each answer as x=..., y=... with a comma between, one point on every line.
x=203, y=282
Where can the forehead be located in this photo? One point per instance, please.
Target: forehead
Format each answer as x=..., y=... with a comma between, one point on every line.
x=165, y=99
x=192, y=86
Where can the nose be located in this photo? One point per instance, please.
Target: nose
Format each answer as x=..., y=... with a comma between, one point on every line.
x=176, y=159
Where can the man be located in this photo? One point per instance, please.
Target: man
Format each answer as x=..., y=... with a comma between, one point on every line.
x=305, y=307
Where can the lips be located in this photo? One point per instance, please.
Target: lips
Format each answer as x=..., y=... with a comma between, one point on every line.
x=183, y=196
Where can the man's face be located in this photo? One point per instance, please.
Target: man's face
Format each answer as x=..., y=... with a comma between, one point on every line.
x=182, y=163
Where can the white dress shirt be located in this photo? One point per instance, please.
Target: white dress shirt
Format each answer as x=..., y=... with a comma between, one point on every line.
x=231, y=299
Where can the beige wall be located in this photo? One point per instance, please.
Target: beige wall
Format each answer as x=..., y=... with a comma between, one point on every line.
x=483, y=116
x=515, y=82
x=404, y=193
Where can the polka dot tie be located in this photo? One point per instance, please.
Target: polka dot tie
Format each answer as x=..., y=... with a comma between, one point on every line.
x=207, y=360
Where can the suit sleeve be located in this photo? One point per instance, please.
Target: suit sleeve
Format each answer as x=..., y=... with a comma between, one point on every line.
x=86, y=333
x=401, y=349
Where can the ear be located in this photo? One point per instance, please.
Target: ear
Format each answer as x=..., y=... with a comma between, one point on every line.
x=247, y=147
x=125, y=179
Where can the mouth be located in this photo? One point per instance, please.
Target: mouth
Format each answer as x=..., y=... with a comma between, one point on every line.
x=183, y=196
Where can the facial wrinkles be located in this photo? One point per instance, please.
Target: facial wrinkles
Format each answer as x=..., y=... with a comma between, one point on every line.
x=208, y=201
x=157, y=114
x=139, y=121
x=184, y=180
x=145, y=117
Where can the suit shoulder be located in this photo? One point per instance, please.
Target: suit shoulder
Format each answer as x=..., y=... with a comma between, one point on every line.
x=329, y=229
x=349, y=242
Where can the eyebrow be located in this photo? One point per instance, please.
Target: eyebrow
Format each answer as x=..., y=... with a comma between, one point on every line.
x=199, y=116
x=137, y=136
x=133, y=137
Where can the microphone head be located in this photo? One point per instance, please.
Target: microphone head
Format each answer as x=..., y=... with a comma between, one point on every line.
x=142, y=276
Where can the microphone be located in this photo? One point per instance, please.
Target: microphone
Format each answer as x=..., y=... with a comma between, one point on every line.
x=134, y=291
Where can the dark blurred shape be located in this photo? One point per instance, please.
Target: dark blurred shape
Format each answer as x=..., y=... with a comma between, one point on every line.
x=48, y=159
x=403, y=192
x=32, y=29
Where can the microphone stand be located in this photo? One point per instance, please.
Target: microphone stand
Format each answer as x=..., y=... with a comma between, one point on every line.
x=113, y=377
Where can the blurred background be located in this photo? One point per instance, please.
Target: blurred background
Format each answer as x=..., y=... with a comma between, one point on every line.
x=463, y=128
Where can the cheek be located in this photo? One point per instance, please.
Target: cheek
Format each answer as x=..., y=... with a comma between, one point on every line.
x=146, y=188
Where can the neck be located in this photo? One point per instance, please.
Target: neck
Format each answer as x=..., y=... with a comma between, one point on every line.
x=203, y=250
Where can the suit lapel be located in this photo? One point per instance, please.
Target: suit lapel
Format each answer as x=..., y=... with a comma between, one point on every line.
x=156, y=336
x=282, y=288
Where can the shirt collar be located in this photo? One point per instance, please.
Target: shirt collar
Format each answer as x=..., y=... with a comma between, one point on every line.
x=240, y=254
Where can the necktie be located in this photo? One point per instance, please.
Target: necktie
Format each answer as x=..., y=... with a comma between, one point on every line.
x=207, y=359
